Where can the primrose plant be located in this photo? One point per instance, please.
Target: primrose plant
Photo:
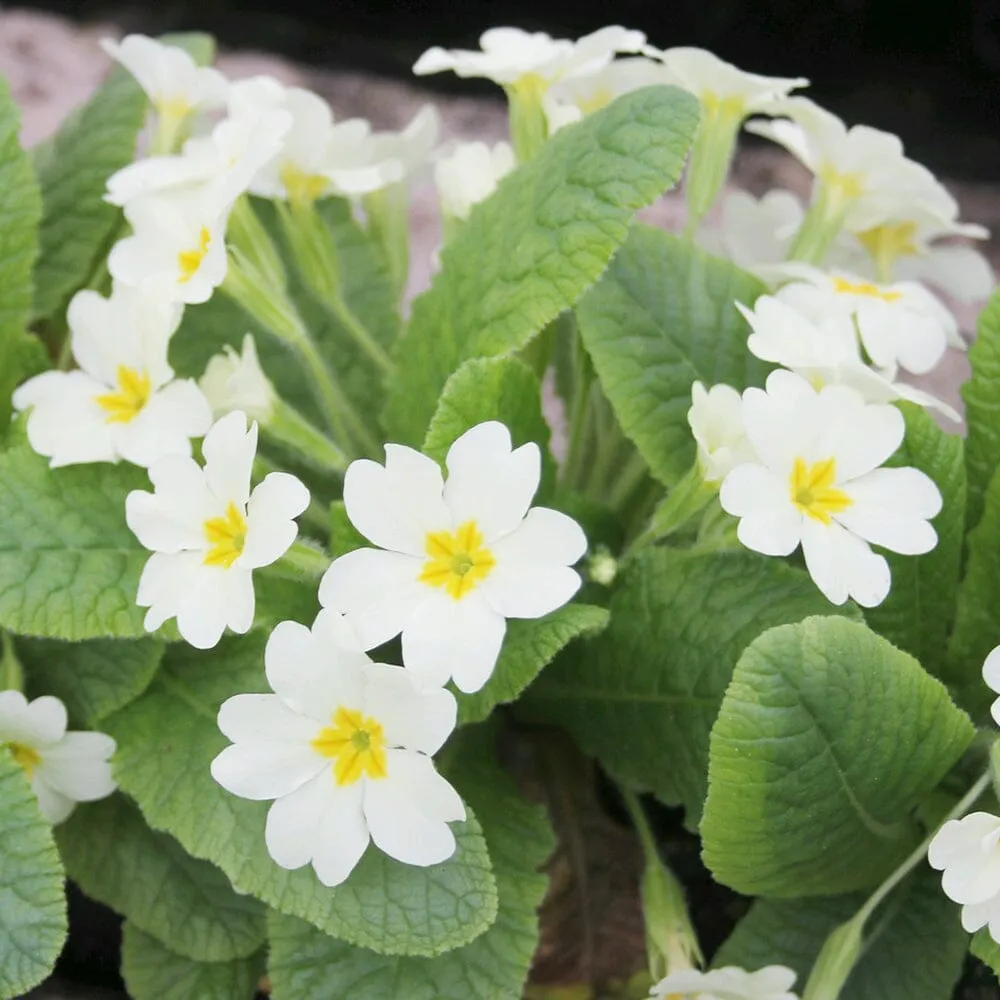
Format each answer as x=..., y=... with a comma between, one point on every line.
x=312, y=627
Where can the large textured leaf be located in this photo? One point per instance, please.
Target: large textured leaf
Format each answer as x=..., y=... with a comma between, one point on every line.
x=642, y=697
x=167, y=740
x=532, y=249
x=918, y=613
x=153, y=972
x=827, y=738
x=32, y=904
x=187, y=904
x=69, y=566
x=662, y=317
x=308, y=965
x=93, y=678
x=914, y=951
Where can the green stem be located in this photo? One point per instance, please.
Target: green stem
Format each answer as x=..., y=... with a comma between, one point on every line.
x=359, y=333
x=631, y=477
x=248, y=234
x=288, y=427
x=641, y=823
x=11, y=674
x=301, y=560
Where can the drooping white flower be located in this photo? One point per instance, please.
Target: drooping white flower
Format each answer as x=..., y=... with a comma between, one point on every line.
x=991, y=674
x=455, y=558
x=344, y=748
x=63, y=767
x=817, y=482
x=470, y=174
x=967, y=850
x=123, y=401
x=901, y=324
x=234, y=381
x=773, y=982
x=208, y=532
x=716, y=420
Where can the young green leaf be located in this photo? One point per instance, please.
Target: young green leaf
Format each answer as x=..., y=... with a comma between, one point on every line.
x=663, y=316
x=32, y=904
x=153, y=972
x=827, y=738
x=642, y=696
x=167, y=740
x=530, y=251
x=187, y=904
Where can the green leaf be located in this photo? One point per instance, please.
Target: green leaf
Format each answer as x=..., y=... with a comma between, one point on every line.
x=530, y=251
x=32, y=904
x=663, y=316
x=20, y=211
x=69, y=566
x=167, y=740
x=918, y=613
x=827, y=738
x=307, y=965
x=982, y=408
x=642, y=697
x=914, y=946
x=986, y=950
x=187, y=904
x=528, y=646
x=344, y=537
x=153, y=972
x=93, y=678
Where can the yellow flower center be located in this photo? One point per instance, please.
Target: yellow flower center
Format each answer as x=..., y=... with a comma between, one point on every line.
x=188, y=261
x=226, y=536
x=844, y=187
x=123, y=406
x=355, y=743
x=458, y=561
x=813, y=492
x=844, y=287
x=175, y=109
x=599, y=98
x=887, y=242
x=25, y=757
x=302, y=187
x=730, y=108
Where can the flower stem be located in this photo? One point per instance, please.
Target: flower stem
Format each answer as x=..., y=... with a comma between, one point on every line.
x=301, y=560
x=11, y=674
x=289, y=428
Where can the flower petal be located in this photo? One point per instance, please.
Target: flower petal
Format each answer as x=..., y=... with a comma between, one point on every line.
x=411, y=717
x=842, y=565
x=271, y=527
x=78, y=766
x=529, y=590
x=264, y=718
x=769, y=521
x=229, y=450
x=165, y=425
x=36, y=723
x=892, y=508
x=173, y=518
x=217, y=598
x=545, y=536
x=55, y=806
x=266, y=770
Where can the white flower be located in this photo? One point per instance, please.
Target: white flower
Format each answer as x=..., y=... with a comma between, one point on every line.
x=208, y=533
x=773, y=982
x=825, y=353
x=344, y=748
x=456, y=558
x=716, y=420
x=900, y=324
x=123, y=401
x=967, y=850
x=237, y=382
x=817, y=483
x=409, y=149
x=63, y=767
x=991, y=674
x=178, y=244
x=470, y=174
x=512, y=57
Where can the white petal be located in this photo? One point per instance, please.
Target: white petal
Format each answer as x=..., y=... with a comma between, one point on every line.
x=545, y=536
x=861, y=436
x=229, y=450
x=412, y=717
x=892, y=508
x=271, y=527
x=216, y=598
x=264, y=718
x=266, y=770
x=164, y=426
x=769, y=522
x=977, y=915
x=35, y=723
x=991, y=669
x=488, y=482
x=529, y=590
x=55, y=806
x=842, y=565
x=173, y=518
x=408, y=812
x=957, y=837
x=77, y=766
x=961, y=271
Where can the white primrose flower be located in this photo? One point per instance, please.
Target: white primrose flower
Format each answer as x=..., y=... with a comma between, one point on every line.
x=470, y=174
x=716, y=421
x=899, y=324
x=208, y=533
x=817, y=483
x=63, y=767
x=455, y=558
x=344, y=748
x=234, y=381
x=991, y=674
x=773, y=982
x=967, y=850
x=410, y=148
x=123, y=401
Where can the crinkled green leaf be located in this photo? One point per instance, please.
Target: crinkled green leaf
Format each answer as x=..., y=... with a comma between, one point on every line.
x=827, y=738
x=663, y=316
x=532, y=249
x=307, y=965
x=187, y=904
x=153, y=972
x=167, y=740
x=32, y=904
x=528, y=646
x=914, y=948
x=918, y=613
x=642, y=696
x=93, y=678
x=69, y=566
